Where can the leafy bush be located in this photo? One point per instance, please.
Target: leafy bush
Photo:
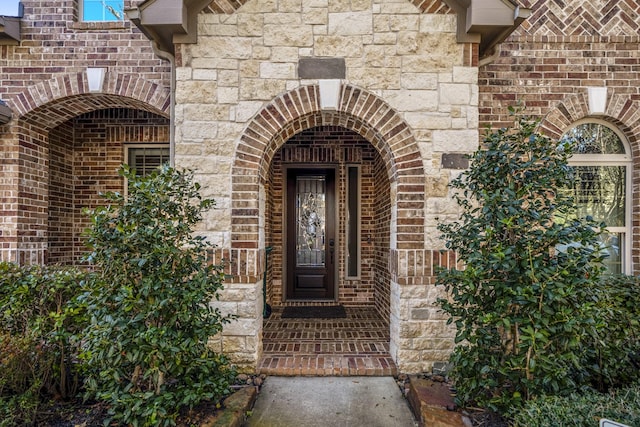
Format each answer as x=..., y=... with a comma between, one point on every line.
x=146, y=348
x=38, y=353
x=522, y=307
x=612, y=353
x=582, y=409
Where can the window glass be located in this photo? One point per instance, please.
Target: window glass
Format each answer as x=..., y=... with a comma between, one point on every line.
x=353, y=221
x=102, y=10
x=10, y=8
x=599, y=191
x=601, y=169
x=594, y=138
x=146, y=159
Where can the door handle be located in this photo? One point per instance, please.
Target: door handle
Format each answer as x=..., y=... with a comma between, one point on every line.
x=331, y=245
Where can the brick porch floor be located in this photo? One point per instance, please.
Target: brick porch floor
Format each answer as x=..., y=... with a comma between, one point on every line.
x=357, y=345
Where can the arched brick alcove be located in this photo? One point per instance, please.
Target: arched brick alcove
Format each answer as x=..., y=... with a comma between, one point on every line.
x=359, y=111
x=46, y=112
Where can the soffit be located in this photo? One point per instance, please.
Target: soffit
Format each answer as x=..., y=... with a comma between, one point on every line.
x=9, y=30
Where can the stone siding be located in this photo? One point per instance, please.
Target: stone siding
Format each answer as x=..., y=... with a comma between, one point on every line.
x=410, y=90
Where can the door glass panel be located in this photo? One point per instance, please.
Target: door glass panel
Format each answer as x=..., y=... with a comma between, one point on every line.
x=311, y=221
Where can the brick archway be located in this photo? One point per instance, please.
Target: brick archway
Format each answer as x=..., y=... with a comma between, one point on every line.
x=359, y=111
x=58, y=96
x=621, y=111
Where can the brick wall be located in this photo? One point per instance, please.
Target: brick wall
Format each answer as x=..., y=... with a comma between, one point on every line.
x=381, y=237
x=548, y=63
x=55, y=43
x=562, y=48
x=85, y=155
x=44, y=82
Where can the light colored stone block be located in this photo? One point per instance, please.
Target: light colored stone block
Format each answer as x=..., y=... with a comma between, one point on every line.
x=455, y=141
x=455, y=94
x=465, y=75
x=227, y=95
x=203, y=92
x=250, y=25
x=315, y=17
x=207, y=112
x=438, y=23
x=252, y=89
x=197, y=131
x=412, y=100
x=399, y=22
x=295, y=35
x=246, y=110
x=338, y=46
x=270, y=70
x=350, y=23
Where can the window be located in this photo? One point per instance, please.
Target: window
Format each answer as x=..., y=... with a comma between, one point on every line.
x=146, y=158
x=353, y=221
x=10, y=8
x=102, y=10
x=602, y=168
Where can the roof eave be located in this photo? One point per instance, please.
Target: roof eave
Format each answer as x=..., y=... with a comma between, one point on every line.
x=487, y=22
x=9, y=30
x=167, y=22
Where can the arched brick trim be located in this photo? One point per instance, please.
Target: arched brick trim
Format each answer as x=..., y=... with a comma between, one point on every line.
x=228, y=7
x=564, y=114
x=295, y=111
x=119, y=90
x=624, y=113
x=621, y=111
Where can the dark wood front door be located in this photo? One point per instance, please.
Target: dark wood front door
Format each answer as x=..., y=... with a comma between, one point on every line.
x=311, y=243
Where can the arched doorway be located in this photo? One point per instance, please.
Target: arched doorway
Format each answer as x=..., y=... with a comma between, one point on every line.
x=362, y=134
x=329, y=205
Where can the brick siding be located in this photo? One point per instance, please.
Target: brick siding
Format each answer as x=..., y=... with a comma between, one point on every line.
x=548, y=63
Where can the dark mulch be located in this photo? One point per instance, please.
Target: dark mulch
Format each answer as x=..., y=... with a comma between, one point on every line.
x=71, y=414
x=79, y=414
x=482, y=418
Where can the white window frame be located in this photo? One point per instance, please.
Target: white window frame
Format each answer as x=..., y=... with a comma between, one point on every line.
x=612, y=160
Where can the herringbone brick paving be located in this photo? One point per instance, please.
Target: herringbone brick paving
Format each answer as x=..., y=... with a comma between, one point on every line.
x=357, y=345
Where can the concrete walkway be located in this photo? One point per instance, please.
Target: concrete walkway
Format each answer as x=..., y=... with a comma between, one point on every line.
x=331, y=401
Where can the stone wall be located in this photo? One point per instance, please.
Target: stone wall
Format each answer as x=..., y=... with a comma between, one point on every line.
x=408, y=88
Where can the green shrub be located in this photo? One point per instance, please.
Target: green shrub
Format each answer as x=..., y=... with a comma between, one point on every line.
x=611, y=355
x=522, y=307
x=149, y=302
x=582, y=409
x=38, y=353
